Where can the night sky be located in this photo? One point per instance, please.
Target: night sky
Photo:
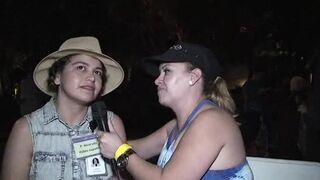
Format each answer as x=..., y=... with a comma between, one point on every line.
x=133, y=28
x=128, y=30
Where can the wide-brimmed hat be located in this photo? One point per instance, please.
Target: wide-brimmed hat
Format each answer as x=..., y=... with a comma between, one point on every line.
x=79, y=45
x=196, y=54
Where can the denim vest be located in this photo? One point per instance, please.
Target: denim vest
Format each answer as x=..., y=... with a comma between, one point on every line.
x=53, y=154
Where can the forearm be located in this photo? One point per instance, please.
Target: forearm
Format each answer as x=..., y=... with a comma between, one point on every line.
x=140, y=148
x=141, y=169
x=145, y=148
x=152, y=144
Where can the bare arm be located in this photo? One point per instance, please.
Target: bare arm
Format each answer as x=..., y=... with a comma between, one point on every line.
x=202, y=145
x=116, y=125
x=145, y=147
x=18, y=152
x=152, y=144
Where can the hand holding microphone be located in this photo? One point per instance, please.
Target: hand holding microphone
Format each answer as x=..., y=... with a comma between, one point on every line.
x=100, y=121
x=109, y=143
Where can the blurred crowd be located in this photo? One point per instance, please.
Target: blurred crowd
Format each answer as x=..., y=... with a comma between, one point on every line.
x=278, y=114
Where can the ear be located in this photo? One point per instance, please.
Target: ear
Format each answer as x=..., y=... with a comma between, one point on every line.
x=57, y=79
x=195, y=75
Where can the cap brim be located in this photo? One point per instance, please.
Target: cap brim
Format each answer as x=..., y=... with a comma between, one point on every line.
x=151, y=63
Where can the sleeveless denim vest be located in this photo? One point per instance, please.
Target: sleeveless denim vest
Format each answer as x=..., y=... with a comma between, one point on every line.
x=53, y=154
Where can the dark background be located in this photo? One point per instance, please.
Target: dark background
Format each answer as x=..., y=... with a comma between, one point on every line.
x=280, y=37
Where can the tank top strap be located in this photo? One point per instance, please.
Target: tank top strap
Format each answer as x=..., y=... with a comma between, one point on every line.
x=176, y=132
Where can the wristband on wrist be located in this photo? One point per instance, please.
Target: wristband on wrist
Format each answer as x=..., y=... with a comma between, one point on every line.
x=121, y=150
x=122, y=161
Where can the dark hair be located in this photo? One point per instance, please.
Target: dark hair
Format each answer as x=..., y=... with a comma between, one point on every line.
x=57, y=68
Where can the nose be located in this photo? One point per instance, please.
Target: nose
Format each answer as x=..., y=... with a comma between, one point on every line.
x=158, y=80
x=91, y=77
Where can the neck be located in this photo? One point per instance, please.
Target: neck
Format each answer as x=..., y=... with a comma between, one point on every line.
x=185, y=108
x=71, y=112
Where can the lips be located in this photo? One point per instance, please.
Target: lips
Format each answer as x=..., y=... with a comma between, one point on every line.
x=88, y=87
x=160, y=90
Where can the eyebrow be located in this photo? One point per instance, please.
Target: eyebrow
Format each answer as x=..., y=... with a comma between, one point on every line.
x=87, y=64
x=162, y=66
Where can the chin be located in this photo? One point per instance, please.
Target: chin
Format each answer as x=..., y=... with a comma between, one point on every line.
x=87, y=100
x=163, y=102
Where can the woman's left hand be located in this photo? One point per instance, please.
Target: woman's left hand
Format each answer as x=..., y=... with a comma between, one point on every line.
x=109, y=143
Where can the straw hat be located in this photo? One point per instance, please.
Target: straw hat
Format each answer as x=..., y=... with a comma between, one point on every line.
x=79, y=45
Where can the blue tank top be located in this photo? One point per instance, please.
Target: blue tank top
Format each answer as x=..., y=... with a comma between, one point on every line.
x=239, y=172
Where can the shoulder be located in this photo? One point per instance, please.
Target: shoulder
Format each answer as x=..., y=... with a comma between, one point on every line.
x=116, y=124
x=21, y=131
x=216, y=121
x=38, y=115
x=216, y=115
x=20, y=135
x=113, y=117
x=18, y=151
x=21, y=126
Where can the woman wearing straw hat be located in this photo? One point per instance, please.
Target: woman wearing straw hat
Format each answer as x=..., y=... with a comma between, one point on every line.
x=203, y=141
x=56, y=141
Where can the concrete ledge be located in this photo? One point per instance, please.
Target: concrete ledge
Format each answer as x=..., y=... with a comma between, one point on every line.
x=280, y=169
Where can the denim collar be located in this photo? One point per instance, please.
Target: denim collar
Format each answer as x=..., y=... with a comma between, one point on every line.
x=50, y=113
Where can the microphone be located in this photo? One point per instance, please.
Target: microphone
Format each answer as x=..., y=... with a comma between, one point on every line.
x=99, y=115
x=93, y=125
x=100, y=121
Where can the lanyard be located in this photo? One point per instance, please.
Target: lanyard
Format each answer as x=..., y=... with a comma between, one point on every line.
x=175, y=132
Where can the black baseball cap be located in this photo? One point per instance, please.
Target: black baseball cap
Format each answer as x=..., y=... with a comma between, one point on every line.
x=195, y=54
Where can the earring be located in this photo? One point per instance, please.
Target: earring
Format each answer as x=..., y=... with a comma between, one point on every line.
x=190, y=83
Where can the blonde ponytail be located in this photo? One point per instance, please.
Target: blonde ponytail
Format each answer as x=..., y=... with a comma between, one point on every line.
x=218, y=91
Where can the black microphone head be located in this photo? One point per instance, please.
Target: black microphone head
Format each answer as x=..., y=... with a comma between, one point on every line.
x=99, y=111
x=98, y=106
x=93, y=125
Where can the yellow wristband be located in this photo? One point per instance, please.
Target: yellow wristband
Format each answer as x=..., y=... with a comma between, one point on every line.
x=121, y=150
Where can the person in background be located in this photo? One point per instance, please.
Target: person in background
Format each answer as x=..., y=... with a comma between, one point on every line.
x=48, y=143
x=299, y=88
x=204, y=140
x=252, y=91
x=312, y=119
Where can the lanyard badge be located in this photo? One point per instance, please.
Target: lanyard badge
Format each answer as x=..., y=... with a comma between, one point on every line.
x=85, y=146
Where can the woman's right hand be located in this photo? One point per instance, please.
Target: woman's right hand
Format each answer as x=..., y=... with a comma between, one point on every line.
x=109, y=143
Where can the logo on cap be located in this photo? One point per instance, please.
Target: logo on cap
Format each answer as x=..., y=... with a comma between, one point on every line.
x=176, y=47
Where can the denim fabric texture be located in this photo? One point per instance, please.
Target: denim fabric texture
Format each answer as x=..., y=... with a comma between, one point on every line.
x=53, y=154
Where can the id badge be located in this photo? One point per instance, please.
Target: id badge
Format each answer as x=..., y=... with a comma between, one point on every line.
x=86, y=145
x=95, y=165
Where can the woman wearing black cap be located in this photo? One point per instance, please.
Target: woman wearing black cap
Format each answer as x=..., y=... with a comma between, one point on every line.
x=203, y=141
